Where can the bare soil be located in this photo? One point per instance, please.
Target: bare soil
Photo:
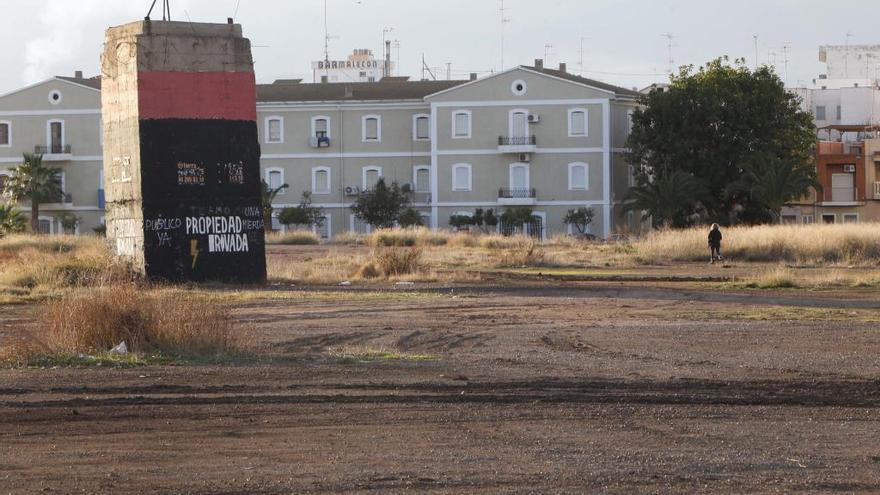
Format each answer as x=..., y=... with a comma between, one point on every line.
x=532, y=387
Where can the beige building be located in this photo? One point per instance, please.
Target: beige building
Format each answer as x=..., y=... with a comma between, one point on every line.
x=60, y=118
x=529, y=136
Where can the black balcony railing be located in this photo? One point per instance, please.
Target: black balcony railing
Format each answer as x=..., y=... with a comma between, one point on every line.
x=517, y=140
x=55, y=149
x=518, y=193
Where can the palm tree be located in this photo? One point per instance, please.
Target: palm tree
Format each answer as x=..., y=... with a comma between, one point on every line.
x=269, y=198
x=11, y=219
x=35, y=182
x=668, y=198
x=772, y=183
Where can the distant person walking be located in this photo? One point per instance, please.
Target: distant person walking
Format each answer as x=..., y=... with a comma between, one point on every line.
x=714, y=243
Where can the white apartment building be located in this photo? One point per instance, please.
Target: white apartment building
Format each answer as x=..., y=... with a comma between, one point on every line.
x=848, y=93
x=529, y=136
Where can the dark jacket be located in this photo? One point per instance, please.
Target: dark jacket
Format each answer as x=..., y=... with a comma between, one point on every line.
x=715, y=238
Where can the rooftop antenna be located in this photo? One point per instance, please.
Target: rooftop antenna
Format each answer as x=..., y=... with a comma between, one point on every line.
x=504, y=20
x=427, y=69
x=755, y=36
x=166, y=10
x=548, y=49
x=846, y=55
x=581, y=54
x=386, y=51
x=785, y=47
x=669, y=37
x=396, y=45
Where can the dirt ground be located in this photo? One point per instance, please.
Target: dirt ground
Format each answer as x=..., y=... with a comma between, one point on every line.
x=526, y=386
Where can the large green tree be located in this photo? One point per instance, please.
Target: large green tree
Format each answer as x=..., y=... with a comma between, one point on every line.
x=382, y=205
x=302, y=214
x=721, y=124
x=32, y=181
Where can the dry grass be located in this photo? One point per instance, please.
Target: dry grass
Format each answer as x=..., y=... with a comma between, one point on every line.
x=333, y=268
x=356, y=354
x=850, y=243
x=394, y=262
x=149, y=322
x=44, y=264
x=293, y=237
x=786, y=277
x=350, y=239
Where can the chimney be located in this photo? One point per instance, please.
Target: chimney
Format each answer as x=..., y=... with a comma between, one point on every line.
x=387, y=59
x=78, y=74
x=473, y=76
x=229, y=20
x=562, y=67
x=539, y=63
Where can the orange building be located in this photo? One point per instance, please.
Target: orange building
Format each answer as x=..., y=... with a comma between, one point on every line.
x=849, y=171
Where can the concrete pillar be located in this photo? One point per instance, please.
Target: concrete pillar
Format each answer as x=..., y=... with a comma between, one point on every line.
x=181, y=153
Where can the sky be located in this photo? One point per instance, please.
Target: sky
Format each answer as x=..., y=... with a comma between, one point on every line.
x=623, y=42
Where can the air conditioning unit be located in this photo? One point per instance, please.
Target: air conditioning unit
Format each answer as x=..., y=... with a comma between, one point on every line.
x=313, y=142
x=319, y=141
x=352, y=190
x=525, y=157
x=534, y=119
x=849, y=168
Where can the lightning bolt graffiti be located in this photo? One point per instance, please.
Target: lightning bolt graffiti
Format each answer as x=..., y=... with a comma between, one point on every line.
x=194, y=251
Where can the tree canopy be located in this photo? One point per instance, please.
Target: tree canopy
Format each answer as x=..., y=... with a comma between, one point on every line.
x=726, y=127
x=382, y=205
x=35, y=182
x=302, y=214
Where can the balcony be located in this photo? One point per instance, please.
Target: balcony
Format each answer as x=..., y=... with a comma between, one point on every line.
x=517, y=197
x=54, y=153
x=517, y=144
x=319, y=140
x=844, y=196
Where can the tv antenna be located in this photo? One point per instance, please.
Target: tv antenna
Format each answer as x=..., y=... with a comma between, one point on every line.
x=548, y=50
x=786, y=46
x=426, y=69
x=755, y=36
x=669, y=37
x=581, y=54
x=166, y=10
x=504, y=20
x=846, y=55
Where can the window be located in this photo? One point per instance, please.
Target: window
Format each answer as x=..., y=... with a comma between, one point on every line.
x=461, y=177
x=275, y=178
x=518, y=87
x=422, y=179
x=577, y=122
x=46, y=225
x=321, y=126
x=808, y=219
x=371, y=128
x=55, y=136
x=274, y=130
x=5, y=134
x=820, y=112
x=518, y=126
x=321, y=180
x=789, y=219
x=370, y=177
x=578, y=179
x=461, y=124
x=421, y=127
x=519, y=178
x=850, y=218
x=839, y=113
x=828, y=217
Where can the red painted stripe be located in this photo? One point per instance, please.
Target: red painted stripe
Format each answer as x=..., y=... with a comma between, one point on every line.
x=197, y=95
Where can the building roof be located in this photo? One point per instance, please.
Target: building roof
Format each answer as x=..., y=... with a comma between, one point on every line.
x=394, y=89
x=585, y=81
x=92, y=82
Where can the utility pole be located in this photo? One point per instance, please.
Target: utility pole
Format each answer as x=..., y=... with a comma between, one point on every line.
x=504, y=20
